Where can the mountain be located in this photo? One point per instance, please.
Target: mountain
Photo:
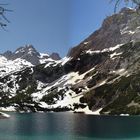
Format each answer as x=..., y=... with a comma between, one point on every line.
x=100, y=76
x=119, y=28
x=26, y=56
x=30, y=54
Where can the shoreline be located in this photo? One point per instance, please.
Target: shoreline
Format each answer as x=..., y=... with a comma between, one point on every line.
x=4, y=113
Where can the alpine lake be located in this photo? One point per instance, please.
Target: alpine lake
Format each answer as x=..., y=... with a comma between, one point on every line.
x=68, y=126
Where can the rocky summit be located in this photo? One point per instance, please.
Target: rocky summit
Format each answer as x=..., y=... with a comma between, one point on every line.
x=99, y=76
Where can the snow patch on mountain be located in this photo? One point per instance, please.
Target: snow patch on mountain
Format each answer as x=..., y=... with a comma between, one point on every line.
x=9, y=66
x=104, y=50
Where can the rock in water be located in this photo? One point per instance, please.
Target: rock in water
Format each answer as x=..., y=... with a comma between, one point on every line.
x=4, y=115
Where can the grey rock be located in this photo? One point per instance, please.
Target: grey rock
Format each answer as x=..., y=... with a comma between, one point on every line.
x=55, y=56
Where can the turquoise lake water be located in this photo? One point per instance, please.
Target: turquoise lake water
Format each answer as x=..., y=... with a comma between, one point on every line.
x=69, y=126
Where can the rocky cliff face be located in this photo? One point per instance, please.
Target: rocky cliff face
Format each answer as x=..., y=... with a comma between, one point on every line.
x=119, y=28
x=99, y=76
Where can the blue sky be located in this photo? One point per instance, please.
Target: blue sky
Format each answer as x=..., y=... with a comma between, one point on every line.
x=52, y=25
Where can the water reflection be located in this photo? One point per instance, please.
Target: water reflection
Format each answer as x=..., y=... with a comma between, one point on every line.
x=107, y=126
x=68, y=126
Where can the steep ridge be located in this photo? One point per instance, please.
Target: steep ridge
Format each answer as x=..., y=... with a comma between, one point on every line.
x=119, y=28
x=99, y=76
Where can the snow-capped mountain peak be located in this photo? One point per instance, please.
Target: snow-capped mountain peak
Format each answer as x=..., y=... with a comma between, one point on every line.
x=22, y=57
x=28, y=49
x=30, y=54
